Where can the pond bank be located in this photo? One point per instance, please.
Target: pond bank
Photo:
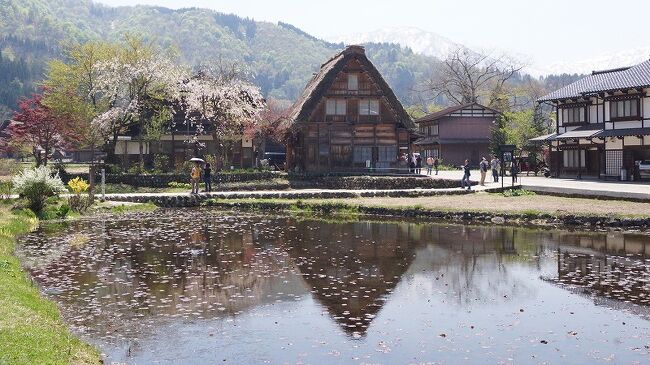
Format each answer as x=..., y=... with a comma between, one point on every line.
x=379, y=207
x=31, y=329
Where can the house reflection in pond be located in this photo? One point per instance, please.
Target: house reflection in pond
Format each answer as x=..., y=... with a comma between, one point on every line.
x=351, y=272
x=608, y=265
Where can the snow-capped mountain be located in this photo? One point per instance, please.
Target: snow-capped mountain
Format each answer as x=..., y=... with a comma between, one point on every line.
x=420, y=41
x=626, y=58
x=432, y=44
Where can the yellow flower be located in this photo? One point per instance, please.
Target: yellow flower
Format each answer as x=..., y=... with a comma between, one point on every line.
x=78, y=185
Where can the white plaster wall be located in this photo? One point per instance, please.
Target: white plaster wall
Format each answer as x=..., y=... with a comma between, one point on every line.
x=646, y=140
x=630, y=124
x=132, y=147
x=615, y=144
x=632, y=141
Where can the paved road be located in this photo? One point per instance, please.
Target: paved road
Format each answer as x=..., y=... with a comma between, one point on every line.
x=591, y=187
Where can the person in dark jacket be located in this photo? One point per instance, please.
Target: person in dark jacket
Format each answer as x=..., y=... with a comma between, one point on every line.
x=418, y=164
x=466, y=174
x=207, y=177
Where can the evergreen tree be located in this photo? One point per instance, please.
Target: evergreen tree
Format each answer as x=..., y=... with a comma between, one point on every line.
x=499, y=134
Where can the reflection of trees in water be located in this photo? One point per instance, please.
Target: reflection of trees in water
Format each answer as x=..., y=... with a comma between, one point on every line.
x=156, y=268
x=470, y=265
x=132, y=272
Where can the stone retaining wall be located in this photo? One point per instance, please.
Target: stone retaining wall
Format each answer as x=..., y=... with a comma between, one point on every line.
x=163, y=180
x=187, y=200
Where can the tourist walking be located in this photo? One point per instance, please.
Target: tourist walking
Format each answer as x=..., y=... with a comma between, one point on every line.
x=207, y=177
x=466, y=173
x=496, y=166
x=429, y=165
x=484, y=166
x=418, y=164
x=514, y=170
x=436, y=163
x=195, y=177
x=411, y=163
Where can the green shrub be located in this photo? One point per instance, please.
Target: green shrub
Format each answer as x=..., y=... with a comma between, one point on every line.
x=134, y=169
x=113, y=169
x=55, y=212
x=179, y=185
x=160, y=163
x=184, y=168
x=517, y=192
x=5, y=189
x=9, y=167
x=36, y=185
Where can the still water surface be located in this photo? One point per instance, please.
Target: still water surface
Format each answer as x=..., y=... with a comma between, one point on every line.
x=194, y=286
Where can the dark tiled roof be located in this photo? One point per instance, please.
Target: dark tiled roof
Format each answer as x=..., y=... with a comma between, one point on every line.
x=624, y=132
x=449, y=110
x=434, y=139
x=577, y=88
x=585, y=131
x=636, y=76
x=544, y=138
x=320, y=83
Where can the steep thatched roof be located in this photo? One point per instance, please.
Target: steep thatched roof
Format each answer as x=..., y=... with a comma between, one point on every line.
x=321, y=82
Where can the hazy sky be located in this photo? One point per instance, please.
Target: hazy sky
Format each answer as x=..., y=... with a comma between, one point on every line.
x=546, y=30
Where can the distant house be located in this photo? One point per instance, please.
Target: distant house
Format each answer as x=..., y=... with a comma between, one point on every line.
x=348, y=119
x=457, y=133
x=602, y=123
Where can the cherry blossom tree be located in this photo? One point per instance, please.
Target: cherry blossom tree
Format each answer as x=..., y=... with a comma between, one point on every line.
x=136, y=83
x=224, y=100
x=37, y=126
x=271, y=124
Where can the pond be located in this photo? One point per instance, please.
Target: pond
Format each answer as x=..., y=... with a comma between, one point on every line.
x=198, y=286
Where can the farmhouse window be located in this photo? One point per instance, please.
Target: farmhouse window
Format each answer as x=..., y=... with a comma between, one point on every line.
x=336, y=107
x=340, y=155
x=574, y=158
x=624, y=109
x=353, y=82
x=573, y=115
x=362, y=154
x=387, y=153
x=369, y=107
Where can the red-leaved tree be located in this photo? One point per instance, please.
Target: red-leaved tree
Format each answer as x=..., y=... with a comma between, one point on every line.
x=36, y=126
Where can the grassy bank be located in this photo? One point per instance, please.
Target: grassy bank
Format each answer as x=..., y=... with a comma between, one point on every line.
x=31, y=329
x=481, y=207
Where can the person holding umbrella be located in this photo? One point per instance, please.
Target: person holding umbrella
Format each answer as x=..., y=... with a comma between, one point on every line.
x=195, y=174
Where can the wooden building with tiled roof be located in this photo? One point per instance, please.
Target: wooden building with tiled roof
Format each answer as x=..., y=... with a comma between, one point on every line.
x=602, y=123
x=348, y=120
x=457, y=133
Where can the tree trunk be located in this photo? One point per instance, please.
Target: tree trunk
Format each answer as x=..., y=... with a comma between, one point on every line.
x=91, y=173
x=140, y=144
x=172, y=158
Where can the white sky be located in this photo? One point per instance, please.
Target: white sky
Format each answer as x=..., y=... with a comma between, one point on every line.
x=544, y=30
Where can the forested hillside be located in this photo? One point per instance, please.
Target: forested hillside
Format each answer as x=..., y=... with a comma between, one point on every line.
x=280, y=57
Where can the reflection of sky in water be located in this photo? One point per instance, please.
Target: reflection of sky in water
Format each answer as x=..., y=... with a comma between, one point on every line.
x=199, y=286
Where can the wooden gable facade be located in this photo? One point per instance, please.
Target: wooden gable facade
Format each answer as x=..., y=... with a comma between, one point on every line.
x=348, y=120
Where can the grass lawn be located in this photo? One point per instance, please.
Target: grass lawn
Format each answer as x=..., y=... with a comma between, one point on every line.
x=485, y=202
x=491, y=202
x=31, y=329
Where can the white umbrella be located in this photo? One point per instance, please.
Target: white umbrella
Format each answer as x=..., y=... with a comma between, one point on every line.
x=196, y=159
